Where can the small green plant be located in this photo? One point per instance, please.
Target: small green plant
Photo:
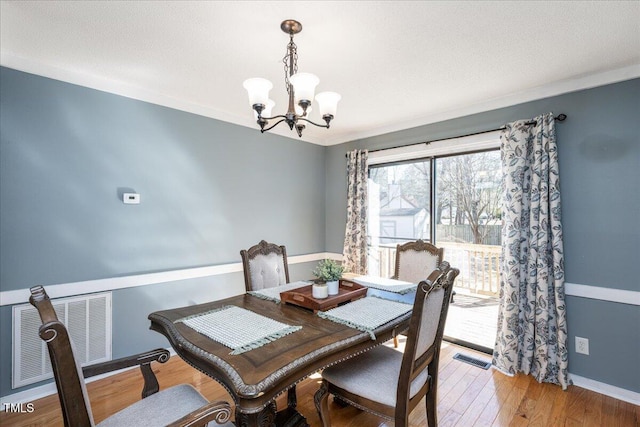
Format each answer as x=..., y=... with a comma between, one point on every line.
x=328, y=270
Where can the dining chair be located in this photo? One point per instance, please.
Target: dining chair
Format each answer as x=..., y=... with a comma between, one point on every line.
x=415, y=260
x=181, y=405
x=387, y=382
x=265, y=266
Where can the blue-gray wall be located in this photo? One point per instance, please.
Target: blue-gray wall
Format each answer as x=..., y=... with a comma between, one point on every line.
x=599, y=155
x=208, y=189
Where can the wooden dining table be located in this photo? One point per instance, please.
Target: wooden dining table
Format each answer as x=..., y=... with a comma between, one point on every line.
x=256, y=377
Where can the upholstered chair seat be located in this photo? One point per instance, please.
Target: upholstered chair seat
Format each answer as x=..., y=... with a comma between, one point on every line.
x=370, y=373
x=159, y=409
x=389, y=383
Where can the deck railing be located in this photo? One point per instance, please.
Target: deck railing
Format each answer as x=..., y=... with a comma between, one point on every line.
x=479, y=265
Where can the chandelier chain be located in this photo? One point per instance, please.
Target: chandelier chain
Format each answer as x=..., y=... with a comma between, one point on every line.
x=292, y=53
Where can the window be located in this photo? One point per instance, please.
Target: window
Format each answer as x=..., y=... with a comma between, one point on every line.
x=448, y=193
x=402, y=194
x=452, y=181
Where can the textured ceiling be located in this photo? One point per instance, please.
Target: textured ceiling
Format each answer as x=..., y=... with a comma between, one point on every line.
x=397, y=64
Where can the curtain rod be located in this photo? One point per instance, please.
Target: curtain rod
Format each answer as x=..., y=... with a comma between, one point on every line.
x=560, y=117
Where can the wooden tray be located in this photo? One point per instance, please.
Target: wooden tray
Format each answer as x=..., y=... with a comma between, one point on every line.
x=347, y=291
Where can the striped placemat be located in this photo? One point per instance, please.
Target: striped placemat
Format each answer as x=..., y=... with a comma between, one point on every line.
x=237, y=328
x=273, y=294
x=366, y=314
x=384, y=284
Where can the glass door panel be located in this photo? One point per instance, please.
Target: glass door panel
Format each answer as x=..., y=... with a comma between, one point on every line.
x=468, y=227
x=399, y=210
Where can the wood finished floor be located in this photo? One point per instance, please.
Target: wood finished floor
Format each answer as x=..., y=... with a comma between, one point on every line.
x=468, y=396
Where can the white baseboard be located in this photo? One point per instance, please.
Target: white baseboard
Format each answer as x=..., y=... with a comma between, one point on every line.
x=606, y=389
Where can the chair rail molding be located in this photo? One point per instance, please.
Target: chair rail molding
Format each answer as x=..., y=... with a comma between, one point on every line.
x=21, y=296
x=621, y=296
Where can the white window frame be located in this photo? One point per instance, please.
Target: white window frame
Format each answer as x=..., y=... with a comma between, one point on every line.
x=442, y=147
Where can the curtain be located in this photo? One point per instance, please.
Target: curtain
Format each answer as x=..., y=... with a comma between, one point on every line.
x=532, y=327
x=354, y=254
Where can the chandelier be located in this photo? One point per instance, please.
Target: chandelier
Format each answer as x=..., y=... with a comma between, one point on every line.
x=300, y=87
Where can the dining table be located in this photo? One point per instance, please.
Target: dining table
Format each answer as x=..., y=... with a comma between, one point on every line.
x=255, y=375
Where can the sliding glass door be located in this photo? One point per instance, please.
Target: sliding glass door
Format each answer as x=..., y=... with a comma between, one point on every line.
x=468, y=227
x=399, y=210
x=453, y=202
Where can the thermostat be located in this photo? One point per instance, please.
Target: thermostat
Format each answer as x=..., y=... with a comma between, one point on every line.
x=131, y=198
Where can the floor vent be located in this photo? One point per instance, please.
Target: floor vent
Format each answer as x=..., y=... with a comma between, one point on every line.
x=472, y=361
x=86, y=317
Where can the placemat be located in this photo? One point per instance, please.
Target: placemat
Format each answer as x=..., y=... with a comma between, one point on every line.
x=366, y=314
x=237, y=328
x=389, y=285
x=273, y=294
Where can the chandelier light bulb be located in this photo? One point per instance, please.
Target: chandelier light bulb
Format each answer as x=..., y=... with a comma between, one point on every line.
x=328, y=103
x=304, y=86
x=258, y=90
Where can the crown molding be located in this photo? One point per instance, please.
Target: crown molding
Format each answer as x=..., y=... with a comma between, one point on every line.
x=116, y=87
x=533, y=94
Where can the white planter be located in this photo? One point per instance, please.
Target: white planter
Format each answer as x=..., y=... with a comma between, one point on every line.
x=334, y=287
x=320, y=291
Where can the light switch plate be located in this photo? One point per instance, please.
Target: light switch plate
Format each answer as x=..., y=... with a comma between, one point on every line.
x=131, y=198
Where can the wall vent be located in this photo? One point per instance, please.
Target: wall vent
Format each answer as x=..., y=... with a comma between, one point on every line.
x=86, y=317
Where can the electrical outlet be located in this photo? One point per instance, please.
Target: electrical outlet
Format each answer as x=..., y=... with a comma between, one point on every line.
x=582, y=345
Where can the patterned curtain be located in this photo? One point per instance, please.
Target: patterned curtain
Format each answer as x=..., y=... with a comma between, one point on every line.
x=532, y=327
x=354, y=254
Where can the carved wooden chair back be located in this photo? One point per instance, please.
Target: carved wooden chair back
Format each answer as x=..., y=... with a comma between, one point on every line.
x=367, y=380
x=180, y=405
x=265, y=266
x=416, y=260
x=74, y=400
x=424, y=338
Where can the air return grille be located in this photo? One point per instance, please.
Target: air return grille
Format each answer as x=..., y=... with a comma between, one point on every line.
x=88, y=320
x=472, y=361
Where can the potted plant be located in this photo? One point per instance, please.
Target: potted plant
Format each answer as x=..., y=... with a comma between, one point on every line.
x=330, y=272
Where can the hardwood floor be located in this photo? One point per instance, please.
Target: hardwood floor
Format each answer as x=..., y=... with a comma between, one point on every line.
x=468, y=396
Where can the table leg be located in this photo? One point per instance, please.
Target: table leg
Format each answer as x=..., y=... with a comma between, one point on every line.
x=264, y=418
x=268, y=417
x=292, y=400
